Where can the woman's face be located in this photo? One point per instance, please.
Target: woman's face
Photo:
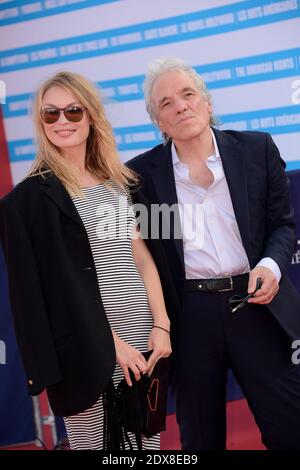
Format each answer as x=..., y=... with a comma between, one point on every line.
x=63, y=133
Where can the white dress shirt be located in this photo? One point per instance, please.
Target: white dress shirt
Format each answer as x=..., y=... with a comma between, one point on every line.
x=211, y=239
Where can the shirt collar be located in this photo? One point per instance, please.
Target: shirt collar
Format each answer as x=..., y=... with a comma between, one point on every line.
x=212, y=158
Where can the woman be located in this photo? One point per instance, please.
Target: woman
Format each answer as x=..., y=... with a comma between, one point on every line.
x=84, y=296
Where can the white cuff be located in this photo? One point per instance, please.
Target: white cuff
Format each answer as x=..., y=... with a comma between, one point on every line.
x=271, y=264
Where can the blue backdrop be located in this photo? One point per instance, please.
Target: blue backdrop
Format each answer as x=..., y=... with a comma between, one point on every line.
x=294, y=271
x=16, y=413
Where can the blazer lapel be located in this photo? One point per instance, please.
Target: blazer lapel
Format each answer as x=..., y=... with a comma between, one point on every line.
x=57, y=192
x=233, y=160
x=164, y=184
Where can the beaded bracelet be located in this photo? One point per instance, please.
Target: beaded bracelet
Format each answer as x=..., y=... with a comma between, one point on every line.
x=161, y=328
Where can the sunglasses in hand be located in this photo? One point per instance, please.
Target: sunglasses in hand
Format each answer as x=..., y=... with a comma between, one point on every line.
x=236, y=302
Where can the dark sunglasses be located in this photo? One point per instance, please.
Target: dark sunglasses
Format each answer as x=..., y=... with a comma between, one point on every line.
x=236, y=302
x=72, y=113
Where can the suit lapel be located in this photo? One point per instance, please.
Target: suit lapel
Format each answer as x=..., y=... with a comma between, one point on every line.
x=57, y=192
x=234, y=164
x=164, y=184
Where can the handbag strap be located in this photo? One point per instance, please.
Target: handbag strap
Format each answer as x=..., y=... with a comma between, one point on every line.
x=115, y=436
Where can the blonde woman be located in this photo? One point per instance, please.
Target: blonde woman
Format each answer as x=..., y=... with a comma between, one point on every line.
x=86, y=300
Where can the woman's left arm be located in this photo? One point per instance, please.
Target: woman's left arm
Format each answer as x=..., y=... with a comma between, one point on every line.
x=159, y=339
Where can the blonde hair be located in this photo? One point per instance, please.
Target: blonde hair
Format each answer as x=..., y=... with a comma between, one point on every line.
x=101, y=159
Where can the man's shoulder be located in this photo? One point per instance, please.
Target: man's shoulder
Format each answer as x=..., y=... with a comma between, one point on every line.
x=246, y=137
x=146, y=159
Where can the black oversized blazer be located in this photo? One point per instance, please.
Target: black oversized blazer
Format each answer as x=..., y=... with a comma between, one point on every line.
x=259, y=191
x=62, y=331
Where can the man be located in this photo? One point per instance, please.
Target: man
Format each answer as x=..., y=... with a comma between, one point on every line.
x=245, y=231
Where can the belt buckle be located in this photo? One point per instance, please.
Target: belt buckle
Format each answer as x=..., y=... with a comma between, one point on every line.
x=229, y=288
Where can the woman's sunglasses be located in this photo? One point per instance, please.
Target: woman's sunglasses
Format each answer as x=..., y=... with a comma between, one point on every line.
x=71, y=113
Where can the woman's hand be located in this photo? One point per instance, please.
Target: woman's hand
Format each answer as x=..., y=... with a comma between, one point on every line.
x=159, y=341
x=129, y=357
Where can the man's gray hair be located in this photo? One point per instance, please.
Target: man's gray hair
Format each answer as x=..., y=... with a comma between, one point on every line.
x=167, y=64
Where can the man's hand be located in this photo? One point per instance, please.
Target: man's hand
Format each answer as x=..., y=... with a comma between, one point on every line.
x=269, y=288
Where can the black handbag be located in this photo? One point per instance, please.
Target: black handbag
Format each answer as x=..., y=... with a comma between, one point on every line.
x=140, y=409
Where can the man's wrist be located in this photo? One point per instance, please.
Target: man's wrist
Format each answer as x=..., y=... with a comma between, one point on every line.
x=269, y=263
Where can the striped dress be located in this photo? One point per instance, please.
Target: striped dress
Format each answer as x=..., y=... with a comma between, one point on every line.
x=109, y=220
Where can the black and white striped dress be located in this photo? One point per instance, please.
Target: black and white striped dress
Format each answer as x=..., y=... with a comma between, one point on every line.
x=109, y=221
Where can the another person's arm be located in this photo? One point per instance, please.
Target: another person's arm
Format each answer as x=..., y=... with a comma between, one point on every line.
x=159, y=339
x=281, y=229
x=127, y=356
x=32, y=328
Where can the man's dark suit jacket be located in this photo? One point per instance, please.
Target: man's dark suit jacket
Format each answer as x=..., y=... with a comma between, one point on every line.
x=62, y=331
x=260, y=196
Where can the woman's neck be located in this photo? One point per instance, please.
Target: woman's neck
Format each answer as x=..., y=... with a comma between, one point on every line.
x=76, y=156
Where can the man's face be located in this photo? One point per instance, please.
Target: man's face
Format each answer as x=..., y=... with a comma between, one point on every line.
x=180, y=109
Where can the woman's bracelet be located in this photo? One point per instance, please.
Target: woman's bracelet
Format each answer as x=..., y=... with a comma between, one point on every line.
x=161, y=328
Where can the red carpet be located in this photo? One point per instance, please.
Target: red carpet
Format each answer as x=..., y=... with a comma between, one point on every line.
x=242, y=431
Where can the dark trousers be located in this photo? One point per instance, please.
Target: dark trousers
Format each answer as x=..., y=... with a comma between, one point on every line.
x=254, y=346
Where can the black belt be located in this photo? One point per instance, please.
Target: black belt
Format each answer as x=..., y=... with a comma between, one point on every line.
x=221, y=284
